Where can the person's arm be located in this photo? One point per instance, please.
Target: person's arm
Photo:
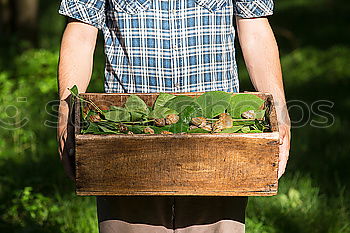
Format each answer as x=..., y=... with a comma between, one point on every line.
x=75, y=68
x=261, y=56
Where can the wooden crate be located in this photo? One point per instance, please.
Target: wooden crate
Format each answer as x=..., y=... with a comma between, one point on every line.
x=228, y=164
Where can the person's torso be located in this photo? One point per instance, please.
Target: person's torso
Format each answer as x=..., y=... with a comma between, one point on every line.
x=169, y=46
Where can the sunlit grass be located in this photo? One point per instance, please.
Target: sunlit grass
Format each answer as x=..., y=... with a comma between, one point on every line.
x=299, y=207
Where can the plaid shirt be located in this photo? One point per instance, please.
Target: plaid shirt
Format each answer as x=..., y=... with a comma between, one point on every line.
x=167, y=45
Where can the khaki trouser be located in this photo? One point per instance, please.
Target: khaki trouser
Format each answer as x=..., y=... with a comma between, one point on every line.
x=171, y=214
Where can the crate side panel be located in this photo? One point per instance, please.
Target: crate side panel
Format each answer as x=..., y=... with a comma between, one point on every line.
x=189, y=166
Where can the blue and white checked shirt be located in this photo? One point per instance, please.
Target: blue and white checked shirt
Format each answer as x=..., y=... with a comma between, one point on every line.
x=167, y=45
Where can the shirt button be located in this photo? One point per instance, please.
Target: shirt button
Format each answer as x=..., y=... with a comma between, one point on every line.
x=173, y=12
x=177, y=85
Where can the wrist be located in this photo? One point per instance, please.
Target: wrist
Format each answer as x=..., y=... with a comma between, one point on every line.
x=283, y=116
x=63, y=110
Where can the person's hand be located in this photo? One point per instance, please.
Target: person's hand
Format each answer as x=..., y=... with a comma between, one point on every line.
x=65, y=139
x=284, y=141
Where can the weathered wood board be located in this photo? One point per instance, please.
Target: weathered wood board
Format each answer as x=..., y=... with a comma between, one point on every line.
x=178, y=164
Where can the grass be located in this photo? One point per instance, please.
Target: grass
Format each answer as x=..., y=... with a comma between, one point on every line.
x=36, y=196
x=299, y=207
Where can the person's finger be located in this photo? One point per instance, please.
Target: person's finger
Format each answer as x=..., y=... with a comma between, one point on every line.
x=61, y=143
x=281, y=167
x=60, y=147
x=68, y=166
x=283, y=156
x=66, y=149
x=68, y=158
x=282, y=134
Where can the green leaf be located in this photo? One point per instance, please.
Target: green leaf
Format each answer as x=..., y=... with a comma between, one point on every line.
x=178, y=127
x=162, y=107
x=107, y=130
x=189, y=112
x=113, y=107
x=233, y=129
x=92, y=128
x=170, y=111
x=243, y=102
x=118, y=114
x=108, y=124
x=180, y=103
x=213, y=103
x=87, y=115
x=198, y=130
x=244, y=123
x=161, y=112
x=136, y=116
x=245, y=129
x=157, y=130
x=74, y=90
x=137, y=129
x=260, y=114
x=162, y=99
x=261, y=125
x=255, y=131
x=137, y=107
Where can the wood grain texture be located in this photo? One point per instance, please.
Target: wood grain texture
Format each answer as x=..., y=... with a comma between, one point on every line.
x=178, y=164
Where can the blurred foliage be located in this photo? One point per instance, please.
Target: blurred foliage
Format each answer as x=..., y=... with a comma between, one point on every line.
x=300, y=207
x=30, y=207
x=36, y=196
x=312, y=65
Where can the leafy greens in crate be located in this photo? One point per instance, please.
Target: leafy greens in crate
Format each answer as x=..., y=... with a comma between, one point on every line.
x=211, y=112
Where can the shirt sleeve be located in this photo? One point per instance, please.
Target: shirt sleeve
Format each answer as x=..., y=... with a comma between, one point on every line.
x=253, y=8
x=88, y=11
